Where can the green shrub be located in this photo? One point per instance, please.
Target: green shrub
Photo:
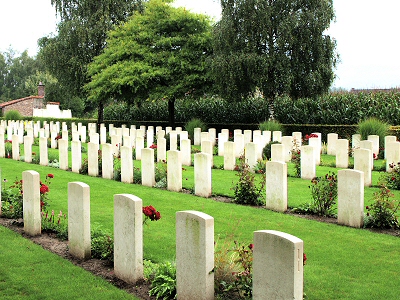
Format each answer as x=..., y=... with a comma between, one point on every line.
x=102, y=244
x=266, y=152
x=192, y=124
x=382, y=212
x=373, y=126
x=271, y=125
x=163, y=284
x=246, y=190
x=13, y=115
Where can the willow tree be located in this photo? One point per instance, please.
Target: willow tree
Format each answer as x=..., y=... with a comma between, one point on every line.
x=274, y=46
x=81, y=36
x=158, y=55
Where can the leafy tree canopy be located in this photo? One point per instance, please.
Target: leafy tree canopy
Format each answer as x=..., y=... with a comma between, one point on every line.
x=159, y=54
x=81, y=36
x=276, y=46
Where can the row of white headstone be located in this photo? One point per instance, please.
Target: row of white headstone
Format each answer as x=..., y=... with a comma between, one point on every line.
x=277, y=256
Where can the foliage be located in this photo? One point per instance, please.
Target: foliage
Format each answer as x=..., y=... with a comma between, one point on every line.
x=233, y=271
x=60, y=227
x=392, y=179
x=8, y=148
x=137, y=175
x=382, y=212
x=13, y=115
x=324, y=194
x=12, y=197
x=276, y=47
x=266, y=152
x=15, y=72
x=159, y=55
x=68, y=54
x=373, y=126
x=296, y=160
x=192, y=124
x=271, y=125
x=246, y=190
x=163, y=284
x=102, y=244
x=161, y=175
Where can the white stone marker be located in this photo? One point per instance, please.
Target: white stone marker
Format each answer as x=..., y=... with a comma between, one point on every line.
x=183, y=135
x=368, y=145
x=362, y=162
x=15, y=147
x=239, y=144
x=63, y=154
x=107, y=161
x=276, y=136
x=31, y=203
x=126, y=164
x=186, y=155
x=287, y=142
x=103, y=135
x=389, y=139
x=392, y=151
x=194, y=255
x=307, y=162
x=297, y=136
x=316, y=143
x=212, y=134
x=28, y=141
x=93, y=159
x=202, y=175
x=161, y=149
x=150, y=136
x=139, y=147
x=2, y=146
x=76, y=153
x=173, y=140
x=250, y=154
x=277, y=266
x=222, y=139
x=53, y=141
x=331, y=147
x=342, y=153
x=44, y=158
x=204, y=136
x=247, y=135
x=351, y=198
x=128, y=238
x=276, y=186
x=278, y=152
x=79, y=242
x=174, y=171
x=197, y=136
x=148, y=176
x=207, y=147
x=229, y=156
x=375, y=143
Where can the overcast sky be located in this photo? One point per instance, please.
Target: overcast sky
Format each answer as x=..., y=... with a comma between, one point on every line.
x=366, y=32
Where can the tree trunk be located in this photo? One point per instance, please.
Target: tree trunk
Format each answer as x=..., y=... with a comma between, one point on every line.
x=100, y=115
x=171, y=113
x=271, y=107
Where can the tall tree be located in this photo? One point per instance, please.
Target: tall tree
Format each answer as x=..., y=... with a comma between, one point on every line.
x=14, y=72
x=160, y=54
x=81, y=36
x=276, y=46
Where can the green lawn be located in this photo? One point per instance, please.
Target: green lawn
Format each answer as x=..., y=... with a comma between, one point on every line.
x=343, y=263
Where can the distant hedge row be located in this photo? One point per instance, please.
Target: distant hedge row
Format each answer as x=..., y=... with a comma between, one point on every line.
x=332, y=109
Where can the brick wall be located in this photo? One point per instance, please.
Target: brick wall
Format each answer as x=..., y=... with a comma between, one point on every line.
x=24, y=106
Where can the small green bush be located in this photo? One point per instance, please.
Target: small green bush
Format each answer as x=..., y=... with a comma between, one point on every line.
x=102, y=244
x=373, y=126
x=13, y=115
x=163, y=284
x=192, y=124
x=271, y=125
x=266, y=152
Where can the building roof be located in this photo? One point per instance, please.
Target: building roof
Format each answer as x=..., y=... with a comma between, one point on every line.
x=4, y=104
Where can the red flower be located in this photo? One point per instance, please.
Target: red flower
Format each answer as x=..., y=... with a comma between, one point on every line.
x=153, y=146
x=50, y=175
x=304, y=259
x=251, y=247
x=44, y=189
x=151, y=213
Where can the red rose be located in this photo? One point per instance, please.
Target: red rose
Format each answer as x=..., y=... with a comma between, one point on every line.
x=44, y=189
x=50, y=175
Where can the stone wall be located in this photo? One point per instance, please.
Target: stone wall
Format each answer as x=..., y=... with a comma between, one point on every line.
x=24, y=106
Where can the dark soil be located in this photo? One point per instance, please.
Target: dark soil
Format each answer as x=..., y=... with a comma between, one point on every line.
x=105, y=270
